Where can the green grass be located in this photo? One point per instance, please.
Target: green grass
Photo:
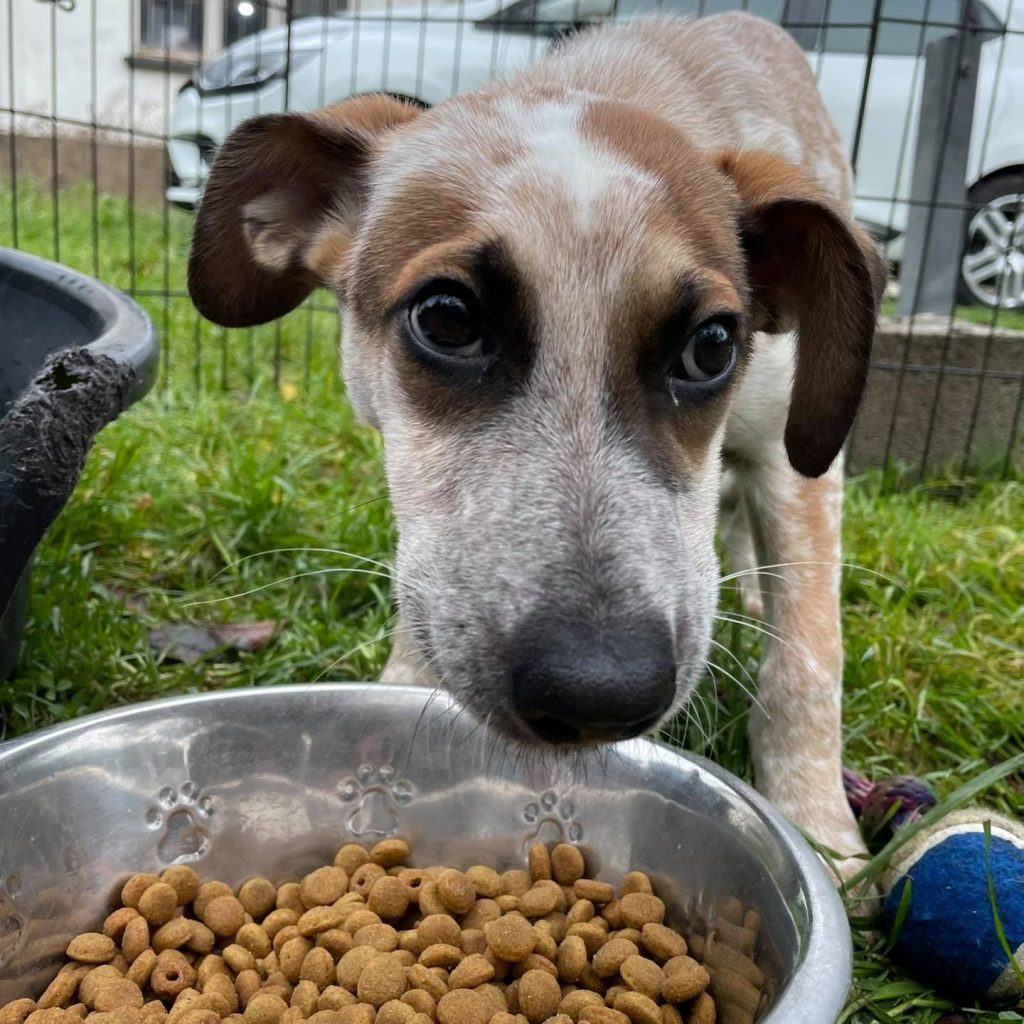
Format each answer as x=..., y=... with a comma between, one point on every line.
x=1008, y=319
x=243, y=490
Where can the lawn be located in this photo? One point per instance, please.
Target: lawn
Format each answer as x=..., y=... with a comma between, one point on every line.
x=242, y=491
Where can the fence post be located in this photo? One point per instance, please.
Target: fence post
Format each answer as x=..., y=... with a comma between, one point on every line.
x=935, y=225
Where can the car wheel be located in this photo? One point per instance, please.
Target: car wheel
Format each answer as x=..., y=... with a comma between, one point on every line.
x=992, y=268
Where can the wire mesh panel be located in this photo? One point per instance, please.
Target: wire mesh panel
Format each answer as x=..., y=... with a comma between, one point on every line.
x=112, y=111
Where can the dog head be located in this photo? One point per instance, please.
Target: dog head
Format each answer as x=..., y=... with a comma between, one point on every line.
x=548, y=304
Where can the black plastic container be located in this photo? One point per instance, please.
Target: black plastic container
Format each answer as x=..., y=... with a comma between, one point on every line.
x=73, y=354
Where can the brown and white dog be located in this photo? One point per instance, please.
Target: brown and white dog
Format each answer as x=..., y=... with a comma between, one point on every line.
x=572, y=300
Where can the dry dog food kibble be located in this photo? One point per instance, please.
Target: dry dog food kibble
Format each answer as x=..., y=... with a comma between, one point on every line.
x=369, y=940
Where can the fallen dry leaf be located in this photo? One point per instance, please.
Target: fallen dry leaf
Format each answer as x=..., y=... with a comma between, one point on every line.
x=189, y=642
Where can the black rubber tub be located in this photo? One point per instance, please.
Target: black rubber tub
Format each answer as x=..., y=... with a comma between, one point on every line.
x=73, y=355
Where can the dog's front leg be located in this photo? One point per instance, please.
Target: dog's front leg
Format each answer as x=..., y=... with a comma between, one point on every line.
x=796, y=725
x=405, y=665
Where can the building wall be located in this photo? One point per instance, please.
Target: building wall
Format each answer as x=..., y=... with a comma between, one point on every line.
x=73, y=66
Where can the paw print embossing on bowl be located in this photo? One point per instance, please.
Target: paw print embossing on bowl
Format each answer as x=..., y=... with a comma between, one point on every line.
x=179, y=815
x=376, y=794
x=551, y=818
x=11, y=921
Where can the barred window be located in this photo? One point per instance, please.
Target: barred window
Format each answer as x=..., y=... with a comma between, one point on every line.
x=173, y=26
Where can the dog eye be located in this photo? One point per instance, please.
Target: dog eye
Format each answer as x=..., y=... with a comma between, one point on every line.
x=709, y=353
x=447, y=321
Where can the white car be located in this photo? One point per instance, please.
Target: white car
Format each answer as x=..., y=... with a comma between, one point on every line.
x=427, y=52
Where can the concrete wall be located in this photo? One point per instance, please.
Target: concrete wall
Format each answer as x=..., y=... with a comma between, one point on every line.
x=120, y=169
x=941, y=393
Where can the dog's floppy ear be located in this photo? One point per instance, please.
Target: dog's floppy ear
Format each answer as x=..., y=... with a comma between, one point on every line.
x=810, y=267
x=276, y=181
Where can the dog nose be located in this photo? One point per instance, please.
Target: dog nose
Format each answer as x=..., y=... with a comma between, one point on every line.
x=574, y=683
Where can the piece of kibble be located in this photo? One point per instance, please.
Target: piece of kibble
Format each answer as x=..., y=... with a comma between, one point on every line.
x=258, y=897
x=291, y=956
x=224, y=915
x=538, y=862
x=539, y=996
x=323, y=886
x=117, y=995
x=421, y=1001
x=364, y=876
x=567, y=864
x=351, y=965
x=515, y=882
x=573, y=1003
x=642, y=975
x=183, y=880
x=17, y=1012
x=662, y=942
x=382, y=937
x=135, y=938
x=135, y=887
x=602, y=1014
x=92, y=948
x=685, y=980
x=511, y=937
x=455, y=891
x=389, y=897
x=318, y=967
x=173, y=935
x=487, y=881
x=474, y=970
x=336, y=942
x=57, y=993
x=572, y=958
x=438, y=928
x=463, y=1006
x=114, y=924
x=640, y=908
x=636, y=881
x=440, y=954
x=580, y=912
x=350, y=857
x=596, y=892
x=334, y=997
x=382, y=979
x=201, y=940
x=394, y=1011
x=389, y=853
x=540, y=900
x=171, y=975
x=279, y=919
x=638, y=1008
x=702, y=1010
x=264, y=1008
x=209, y=891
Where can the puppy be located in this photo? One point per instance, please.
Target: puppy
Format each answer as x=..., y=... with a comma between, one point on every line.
x=571, y=301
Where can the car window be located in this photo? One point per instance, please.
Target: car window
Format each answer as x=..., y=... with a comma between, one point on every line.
x=905, y=27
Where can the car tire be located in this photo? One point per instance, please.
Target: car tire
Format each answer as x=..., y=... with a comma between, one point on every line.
x=992, y=265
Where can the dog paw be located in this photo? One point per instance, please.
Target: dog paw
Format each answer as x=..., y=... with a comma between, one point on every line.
x=179, y=815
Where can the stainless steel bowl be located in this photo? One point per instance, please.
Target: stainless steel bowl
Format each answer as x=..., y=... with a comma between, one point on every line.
x=271, y=781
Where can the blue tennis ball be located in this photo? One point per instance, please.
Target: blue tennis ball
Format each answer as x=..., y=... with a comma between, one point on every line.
x=948, y=938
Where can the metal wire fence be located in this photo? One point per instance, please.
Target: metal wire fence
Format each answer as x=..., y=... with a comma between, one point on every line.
x=111, y=112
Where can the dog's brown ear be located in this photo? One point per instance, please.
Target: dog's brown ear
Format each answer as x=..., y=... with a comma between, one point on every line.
x=277, y=180
x=812, y=268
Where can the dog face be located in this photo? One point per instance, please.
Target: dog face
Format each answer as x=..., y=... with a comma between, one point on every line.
x=548, y=304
